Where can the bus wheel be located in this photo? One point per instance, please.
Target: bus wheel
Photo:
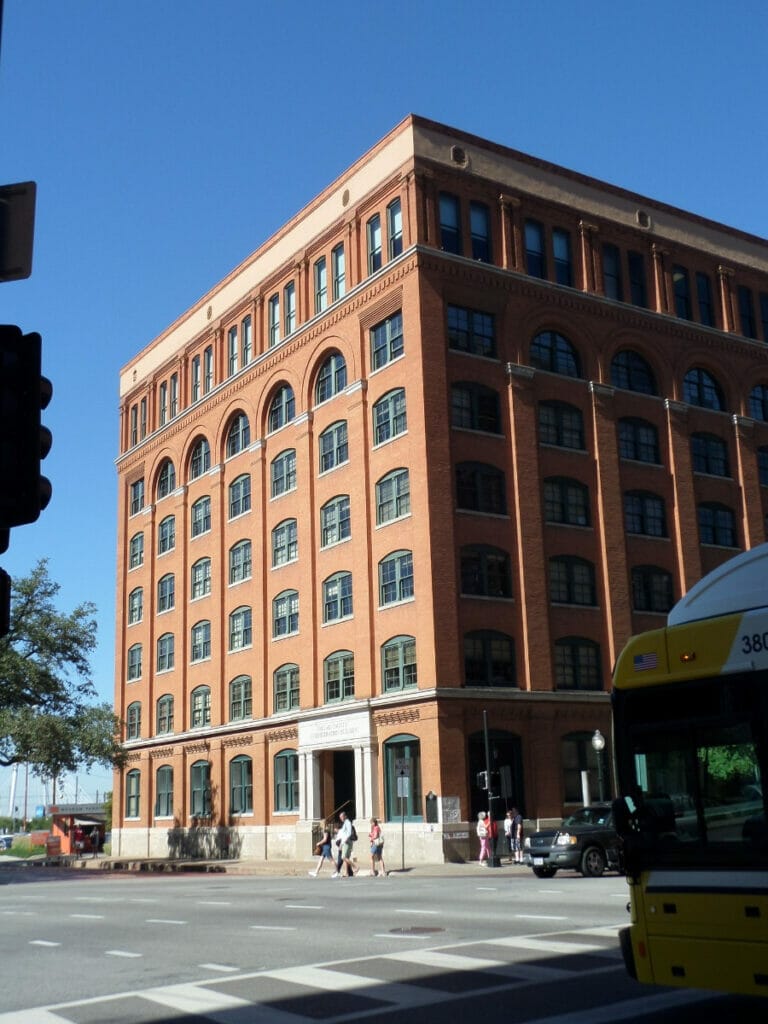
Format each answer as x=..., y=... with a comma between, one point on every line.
x=593, y=862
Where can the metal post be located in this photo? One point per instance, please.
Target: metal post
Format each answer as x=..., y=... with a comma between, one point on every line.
x=494, y=861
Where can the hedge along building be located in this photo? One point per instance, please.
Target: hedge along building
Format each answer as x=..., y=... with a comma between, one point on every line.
x=437, y=448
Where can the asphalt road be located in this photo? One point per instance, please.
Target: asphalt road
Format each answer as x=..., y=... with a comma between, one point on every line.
x=415, y=947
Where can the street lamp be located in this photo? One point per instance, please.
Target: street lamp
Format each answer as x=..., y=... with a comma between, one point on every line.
x=598, y=745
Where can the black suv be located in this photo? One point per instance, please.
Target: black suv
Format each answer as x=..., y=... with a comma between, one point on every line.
x=586, y=841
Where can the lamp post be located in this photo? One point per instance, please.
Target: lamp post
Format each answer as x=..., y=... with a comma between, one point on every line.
x=598, y=745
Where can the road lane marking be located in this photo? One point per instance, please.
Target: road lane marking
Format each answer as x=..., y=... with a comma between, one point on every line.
x=89, y=917
x=407, y=910
x=214, y=903
x=224, y=968
x=162, y=920
x=121, y=952
x=541, y=917
x=43, y=942
x=303, y=906
x=273, y=928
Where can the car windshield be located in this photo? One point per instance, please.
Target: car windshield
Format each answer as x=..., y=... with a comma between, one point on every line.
x=588, y=816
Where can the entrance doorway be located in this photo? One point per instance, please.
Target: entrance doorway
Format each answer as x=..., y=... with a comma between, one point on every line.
x=344, y=781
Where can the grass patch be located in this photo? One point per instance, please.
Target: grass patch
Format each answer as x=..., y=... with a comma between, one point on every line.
x=23, y=848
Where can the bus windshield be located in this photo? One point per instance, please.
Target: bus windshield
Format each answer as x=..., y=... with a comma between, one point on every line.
x=695, y=773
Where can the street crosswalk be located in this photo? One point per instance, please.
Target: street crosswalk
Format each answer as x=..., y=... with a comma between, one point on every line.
x=354, y=989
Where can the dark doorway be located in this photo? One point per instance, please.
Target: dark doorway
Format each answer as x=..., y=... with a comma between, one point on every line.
x=344, y=781
x=506, y=771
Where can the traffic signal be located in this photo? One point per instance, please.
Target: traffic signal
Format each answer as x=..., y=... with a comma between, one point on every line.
x=24, y=442
x=482, y=780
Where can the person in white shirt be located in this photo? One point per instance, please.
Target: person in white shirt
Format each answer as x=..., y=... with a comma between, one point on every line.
x=344, y=843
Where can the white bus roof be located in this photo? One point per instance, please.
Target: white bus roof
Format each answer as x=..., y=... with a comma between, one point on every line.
x=738, y=585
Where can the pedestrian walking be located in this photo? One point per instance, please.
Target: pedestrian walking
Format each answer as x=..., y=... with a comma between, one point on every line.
x=323, y=849
x=376, y=837
x=517, y=835
x=484, y=837
x=508, y=834
x=345, y=838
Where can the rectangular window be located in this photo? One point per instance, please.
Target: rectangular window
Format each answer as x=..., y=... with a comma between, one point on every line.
x=480, y=230
x=163, y=403
x=470, y=330
x=387, y=340
x=232, y=350
x=246, y=340
x=638, y=293
x=207, y=370
x=373, y=234
x=612, y=286
x=394, y=229
x=747, y=313
x=196, y=378
x=450, y=224
x=682, y=292
x=704, y=296
x=137, y=496
x=143, y=418
x=274, y=319
x=338, y=271
x=134, y=425
x=289, y=301
x=321, y=285
x=561, y=249
x=174, y=406
x=535, y=256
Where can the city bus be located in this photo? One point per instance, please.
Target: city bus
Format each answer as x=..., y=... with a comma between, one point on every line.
x=690, y=704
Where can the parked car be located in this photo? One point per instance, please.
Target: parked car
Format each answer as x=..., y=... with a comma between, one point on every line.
x=6, y=842
x=585, y=841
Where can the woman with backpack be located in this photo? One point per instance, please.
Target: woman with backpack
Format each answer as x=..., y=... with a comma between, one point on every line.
x=376, y=837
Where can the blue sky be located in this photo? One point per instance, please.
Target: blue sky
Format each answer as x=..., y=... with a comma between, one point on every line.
x=168, y=139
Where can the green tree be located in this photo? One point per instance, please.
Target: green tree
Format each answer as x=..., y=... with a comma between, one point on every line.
x=48, y=717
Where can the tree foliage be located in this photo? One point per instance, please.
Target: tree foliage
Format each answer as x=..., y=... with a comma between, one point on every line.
x=48, y=717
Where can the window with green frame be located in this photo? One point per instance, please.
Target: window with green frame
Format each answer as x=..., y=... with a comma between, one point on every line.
x=132, y=793
x=407, y=803
x=164, y=792
x=200, y=789
x=241, y=785
x=287, y=781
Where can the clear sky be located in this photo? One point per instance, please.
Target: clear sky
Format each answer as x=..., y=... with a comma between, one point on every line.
x=169, y=138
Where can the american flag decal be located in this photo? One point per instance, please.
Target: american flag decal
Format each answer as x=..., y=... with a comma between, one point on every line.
x=643, y=662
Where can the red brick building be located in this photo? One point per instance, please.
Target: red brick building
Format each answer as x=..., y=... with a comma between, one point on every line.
x=437, y=448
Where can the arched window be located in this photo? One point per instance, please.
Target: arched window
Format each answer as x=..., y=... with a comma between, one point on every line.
x=285, y=545
x=283, y=472
x=651, y=589
x=201, y=516
x=630, y=371
x=200, y=789
x=133, y=721
x=285, y=613
x=480, y=488
x=286, y=765
x=136, y=551
x=135, y=605
x=566, y=501
x=373, y=241
x=201, y=459
x=577, y=664
x=571, y=581
x=398, y=663
x=399, y=751
x=133, y=793
x=200, y=707
x=164, y=792
x=485, y=571
x=201, y=578
x=332, y=378
x=165, y=652
x=393, y=496
x=283, y=408
x=241, y=785
x=166, y=482
x=638, y=440
x=339, y=676
x=239, y=436
x=286, y=687
x=166, y=592
x=553, y=352
x=200, y=648
x=395, y=578
x=335, y=524
x=165, y=714
x=166, y=535
x=333, y=446
x=717, y=525
x=134, y=662
x=710, y=454
x=240, y=496
x=240, y=562
x=337, y=597
x=389, y=416
x=394, y=229
x=489, y=659
x=240, y=698
x=475, y=407
x=240, y=629
x=644, y=514
x=561, y=425
x=700, y=388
